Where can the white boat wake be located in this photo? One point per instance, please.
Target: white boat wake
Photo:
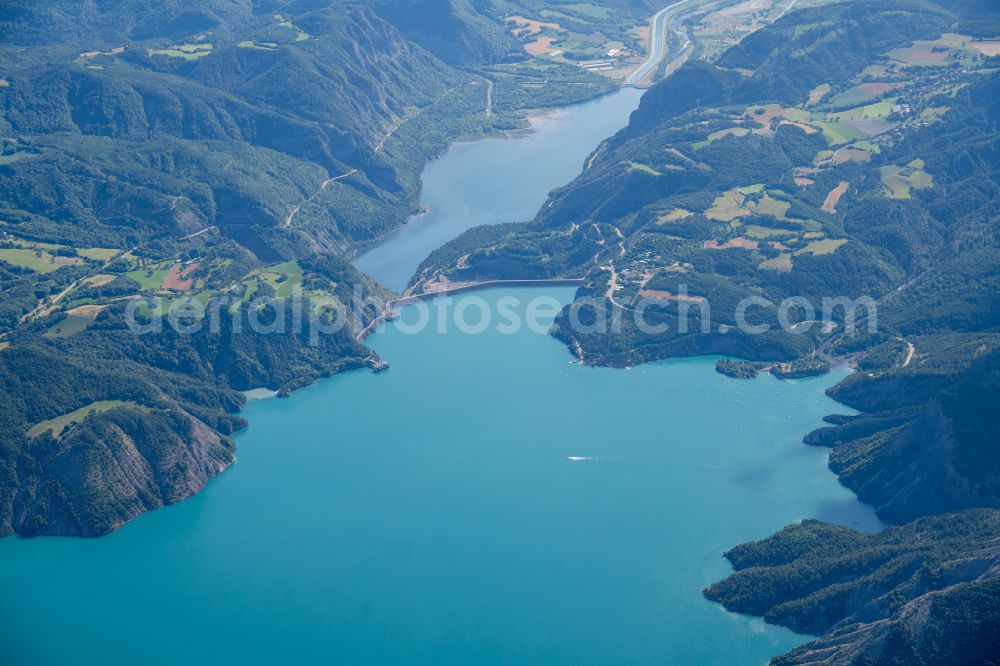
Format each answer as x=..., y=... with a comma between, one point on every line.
x=651, y=461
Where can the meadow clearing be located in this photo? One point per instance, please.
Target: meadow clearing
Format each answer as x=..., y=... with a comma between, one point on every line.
x=59, y=424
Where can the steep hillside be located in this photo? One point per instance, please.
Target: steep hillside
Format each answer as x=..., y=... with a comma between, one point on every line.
x=733, y=183
x=453, y=30
x=215, y=165
x=925, y=593
x=233, y=129
x=103, y=421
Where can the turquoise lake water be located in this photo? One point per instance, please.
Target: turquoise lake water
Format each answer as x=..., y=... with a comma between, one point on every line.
x=484, y=502
x=431, y=514
x=496, y=180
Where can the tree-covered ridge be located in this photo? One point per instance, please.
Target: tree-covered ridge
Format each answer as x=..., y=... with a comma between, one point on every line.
x=454, y=30
x=236, y=116
x=237, y=138
x=955, y=626
x=924, y=593
x=230, y=154
x=926, y=442
x=760, y=197
x=181, y=390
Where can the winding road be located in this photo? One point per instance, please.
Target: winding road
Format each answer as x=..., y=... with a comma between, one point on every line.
x=292, y=213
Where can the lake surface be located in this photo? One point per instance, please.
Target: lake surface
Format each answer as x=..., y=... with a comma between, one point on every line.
x=484, y=502
x=431, y=514
x=496, y=180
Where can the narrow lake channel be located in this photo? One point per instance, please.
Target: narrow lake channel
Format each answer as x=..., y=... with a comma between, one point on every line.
x=496, y=180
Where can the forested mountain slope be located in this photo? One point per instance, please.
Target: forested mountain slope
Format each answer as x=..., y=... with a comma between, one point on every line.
x=288, y=105
x=469, y=32
x=924, y=593
x=454, y=30
x=225, y=158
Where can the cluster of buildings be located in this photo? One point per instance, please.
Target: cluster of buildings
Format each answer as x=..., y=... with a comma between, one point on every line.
x=612, y=61
x=900, y=110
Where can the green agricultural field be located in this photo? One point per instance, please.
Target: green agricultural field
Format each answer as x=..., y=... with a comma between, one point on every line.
x=186, y=51
x=799, y=115
x=817, y=94
x=919, y=178
x=99, y=280
x=719, y=134
x=259, y=46
x=636, y=166
x=781, y=263
x=733, y=204
x=936, y=53
x=76, y=302
x=933, y=113
x=58, y=424
x=768, y=205
x=864, y=93
x=840, y=132
x=900, y=180
x=283, y=277
x=939, y=52
x=322, y=300
x=675, y=215
x=758, y=232
x=589, y=10
x=251, y=287
x=37, y=260
x=868, y=146
x=45, y=246
x=152, y=277
x=71, y=325
x=580, y=46
x=727, y=207
x=98, y=253
x=898, y=186
x=882, y=109
x=827, y=246
x=300, y=35
x=852, y=97
x=875, y=71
